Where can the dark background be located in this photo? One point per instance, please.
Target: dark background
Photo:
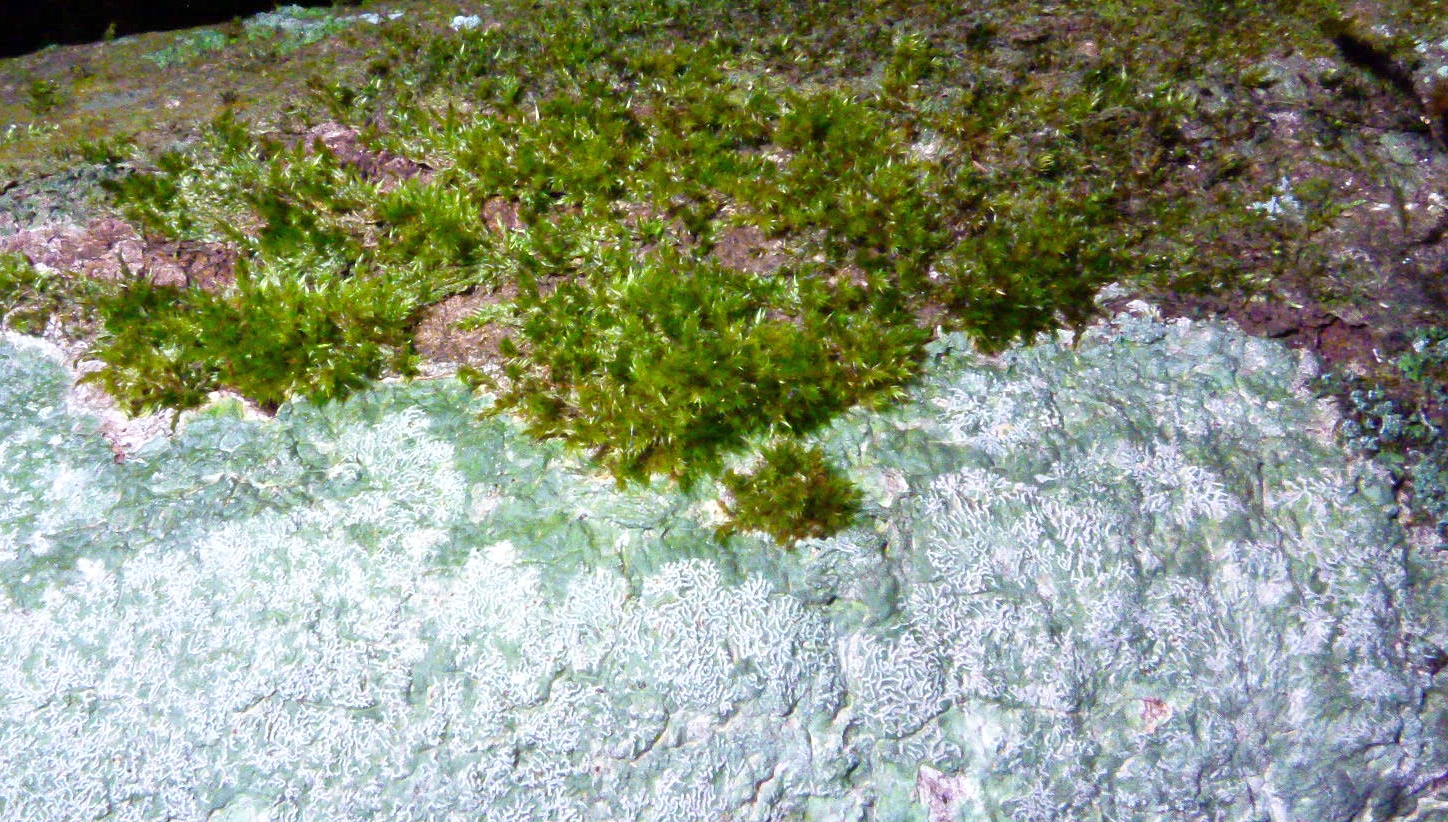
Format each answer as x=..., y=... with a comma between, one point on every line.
x=28, y=25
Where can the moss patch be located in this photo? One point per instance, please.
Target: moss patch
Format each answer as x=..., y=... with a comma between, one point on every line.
x=692, y=228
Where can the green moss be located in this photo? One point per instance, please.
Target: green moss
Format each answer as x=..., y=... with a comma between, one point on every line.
x=31, y=299
x=793, y=494
x=909, y=165
x=102, y=151
x=44, y=96
x=658, y=362
x=277, y=335
x=189, y=48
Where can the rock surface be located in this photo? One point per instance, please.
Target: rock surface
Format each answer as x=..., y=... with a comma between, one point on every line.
x=1126, y=575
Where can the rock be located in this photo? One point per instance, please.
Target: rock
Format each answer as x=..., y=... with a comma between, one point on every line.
x=1125, y=575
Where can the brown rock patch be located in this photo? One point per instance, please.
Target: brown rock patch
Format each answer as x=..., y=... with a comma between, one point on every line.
x=438, y=337
x=748, y=249
x=344, y=142
x=1352, y=346
x=110, y=249
x=501, y=215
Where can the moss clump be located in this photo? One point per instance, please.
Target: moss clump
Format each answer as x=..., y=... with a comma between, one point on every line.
x=271, y=338
x=30, y=298
x=661, y=363
x=793, y=494
x=44, y=96
x=189, y=49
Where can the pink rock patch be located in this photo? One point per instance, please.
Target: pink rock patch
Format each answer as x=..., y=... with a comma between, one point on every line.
x=344, y=144
x=109, y=248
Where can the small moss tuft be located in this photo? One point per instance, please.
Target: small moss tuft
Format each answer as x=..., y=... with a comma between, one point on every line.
x=793, y=494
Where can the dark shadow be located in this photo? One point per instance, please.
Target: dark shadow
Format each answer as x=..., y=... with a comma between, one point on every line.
x=64, y=22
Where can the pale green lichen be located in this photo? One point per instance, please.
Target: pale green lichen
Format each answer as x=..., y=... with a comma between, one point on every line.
x=1134, y=584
